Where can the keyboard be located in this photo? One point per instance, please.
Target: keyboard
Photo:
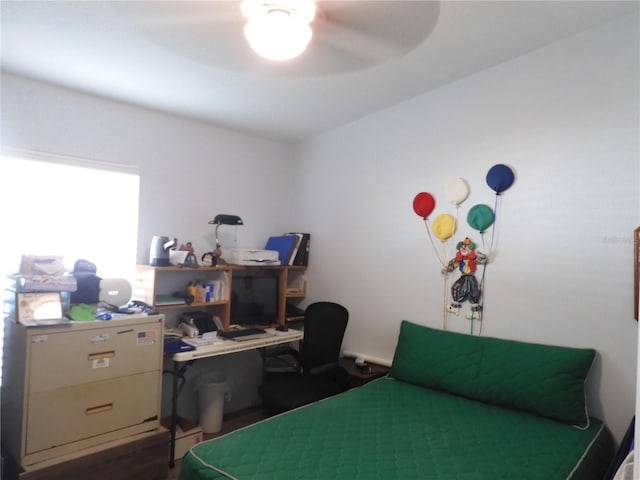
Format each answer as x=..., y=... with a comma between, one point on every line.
x=245, y=334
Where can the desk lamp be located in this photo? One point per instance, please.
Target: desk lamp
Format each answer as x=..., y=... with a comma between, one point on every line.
x=221, y=219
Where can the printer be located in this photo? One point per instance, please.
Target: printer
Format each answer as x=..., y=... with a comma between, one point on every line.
x=252, y=257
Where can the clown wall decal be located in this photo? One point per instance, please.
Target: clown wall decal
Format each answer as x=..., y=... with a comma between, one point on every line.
x=466, y=287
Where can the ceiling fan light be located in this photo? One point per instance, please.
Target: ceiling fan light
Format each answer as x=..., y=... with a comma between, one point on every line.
x=277, y=37
x=304, y=10
x=278, y=29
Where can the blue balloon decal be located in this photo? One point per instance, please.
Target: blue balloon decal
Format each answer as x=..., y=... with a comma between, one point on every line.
x=499, y=178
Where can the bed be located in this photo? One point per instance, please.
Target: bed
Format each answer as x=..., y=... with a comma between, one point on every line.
x=453, y=407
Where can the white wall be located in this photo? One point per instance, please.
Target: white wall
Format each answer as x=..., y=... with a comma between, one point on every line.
x=189, y=171
x=566, y=119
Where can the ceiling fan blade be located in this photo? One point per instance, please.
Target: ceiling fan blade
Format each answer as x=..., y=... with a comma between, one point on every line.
x=367, y=47
x=147, y=15
x=374, y=31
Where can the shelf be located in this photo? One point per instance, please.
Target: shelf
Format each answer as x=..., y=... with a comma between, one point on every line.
x=191, y=305
x=296, y=284
x=175, y=268
x=151, y=280
x=221, y=268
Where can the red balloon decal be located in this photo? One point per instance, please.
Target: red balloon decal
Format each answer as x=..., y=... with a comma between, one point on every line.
x=423, y=204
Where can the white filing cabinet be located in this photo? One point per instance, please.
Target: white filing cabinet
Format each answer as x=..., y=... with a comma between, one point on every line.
x=78, y=385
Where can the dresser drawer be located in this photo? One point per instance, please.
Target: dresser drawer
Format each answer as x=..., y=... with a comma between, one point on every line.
x=65, y=415
x=65, y=358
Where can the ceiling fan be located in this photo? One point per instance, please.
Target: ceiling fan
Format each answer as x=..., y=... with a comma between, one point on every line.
x=278, y=29
x=338, y=36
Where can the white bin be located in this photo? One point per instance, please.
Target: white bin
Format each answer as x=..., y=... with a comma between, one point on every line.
x=213, y=388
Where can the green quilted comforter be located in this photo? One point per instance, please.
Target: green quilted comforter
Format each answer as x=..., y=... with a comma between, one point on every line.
x=390, y=429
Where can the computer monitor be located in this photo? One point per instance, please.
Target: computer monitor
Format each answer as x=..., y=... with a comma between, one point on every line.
x=254, y=298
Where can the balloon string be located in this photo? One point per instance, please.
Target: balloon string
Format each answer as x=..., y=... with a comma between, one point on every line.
x=442, y=258
x=481, y=302
x=445, y=252
x=444, y=303
x=455, y=221
x=494, y=227
x=435, y=249
x=484, y=242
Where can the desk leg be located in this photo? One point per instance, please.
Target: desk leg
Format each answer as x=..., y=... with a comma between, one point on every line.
x=174, y=414
x=178, y=374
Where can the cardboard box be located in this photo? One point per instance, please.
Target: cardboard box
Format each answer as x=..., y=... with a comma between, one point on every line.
x=187, y=435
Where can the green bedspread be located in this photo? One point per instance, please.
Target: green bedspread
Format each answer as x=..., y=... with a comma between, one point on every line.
x=390, y=429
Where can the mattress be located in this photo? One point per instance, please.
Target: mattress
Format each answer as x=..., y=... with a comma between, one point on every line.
x=390, y=429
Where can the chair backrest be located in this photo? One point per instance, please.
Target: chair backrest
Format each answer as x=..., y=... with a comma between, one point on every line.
x=324, y=327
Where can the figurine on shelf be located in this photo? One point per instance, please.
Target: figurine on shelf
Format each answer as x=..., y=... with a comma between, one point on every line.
x=188, y=247
x=190, y=260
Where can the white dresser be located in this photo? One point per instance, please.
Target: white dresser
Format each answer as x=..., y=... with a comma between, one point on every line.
x=74, y=386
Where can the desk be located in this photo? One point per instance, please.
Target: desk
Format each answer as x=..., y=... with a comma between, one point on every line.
x=182, y=361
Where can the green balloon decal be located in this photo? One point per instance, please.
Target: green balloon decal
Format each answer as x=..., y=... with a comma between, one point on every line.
x=480, y=217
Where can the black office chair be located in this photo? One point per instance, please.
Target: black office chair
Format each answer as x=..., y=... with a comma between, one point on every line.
x=315, y=373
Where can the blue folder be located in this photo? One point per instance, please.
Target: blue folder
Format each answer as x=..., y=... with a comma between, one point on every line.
x=176, y=345
x=284, y=245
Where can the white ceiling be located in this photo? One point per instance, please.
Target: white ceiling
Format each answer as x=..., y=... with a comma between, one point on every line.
x=190, y=58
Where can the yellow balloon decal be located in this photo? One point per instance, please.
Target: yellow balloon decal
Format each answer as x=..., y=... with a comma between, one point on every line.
x=444, y=226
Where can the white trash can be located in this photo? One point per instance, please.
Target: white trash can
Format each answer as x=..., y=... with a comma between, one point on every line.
x=213, y=388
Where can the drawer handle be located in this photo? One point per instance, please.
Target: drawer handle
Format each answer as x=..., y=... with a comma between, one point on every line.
x=99, y=409
x=101, y=355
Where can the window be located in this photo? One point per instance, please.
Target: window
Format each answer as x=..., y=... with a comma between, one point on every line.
x=52, y=205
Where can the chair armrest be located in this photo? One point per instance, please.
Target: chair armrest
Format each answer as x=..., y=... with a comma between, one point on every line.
x=286, y=358
x=282, y=351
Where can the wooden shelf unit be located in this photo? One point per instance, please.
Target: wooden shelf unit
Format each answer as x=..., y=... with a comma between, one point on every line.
x=151, y=281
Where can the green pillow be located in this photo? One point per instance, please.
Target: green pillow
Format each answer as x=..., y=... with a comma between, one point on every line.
x=541, y=379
